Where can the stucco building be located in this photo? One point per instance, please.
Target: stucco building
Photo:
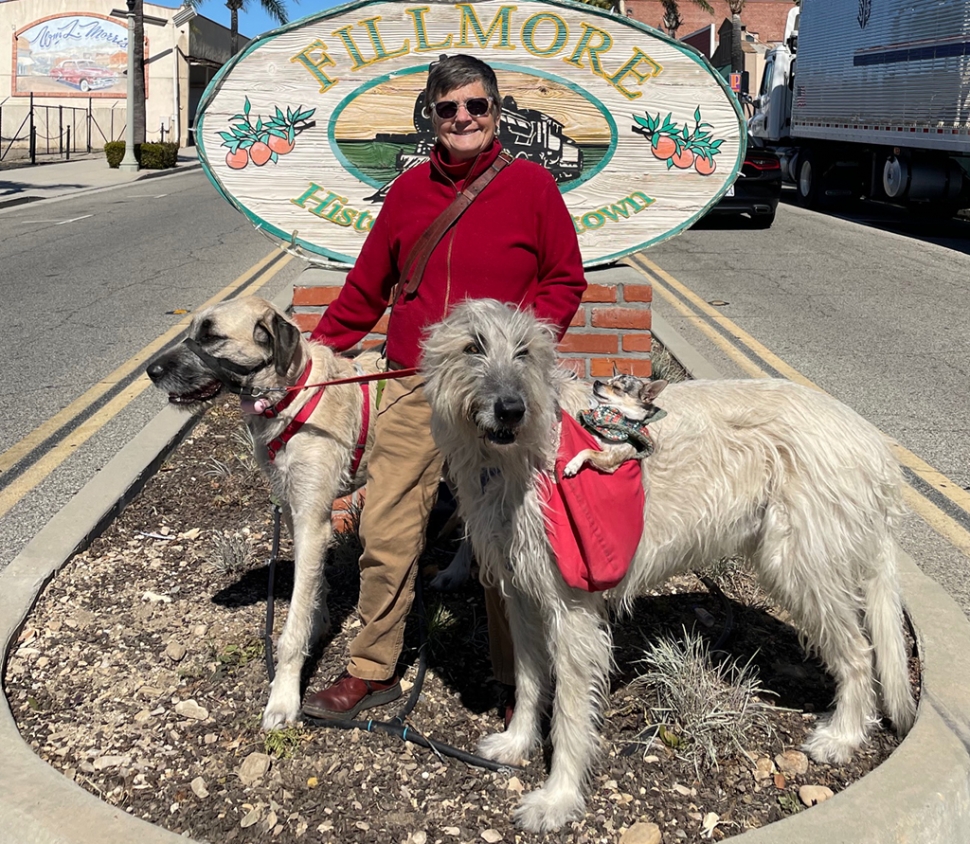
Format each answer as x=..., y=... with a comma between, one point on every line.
x=63, y=69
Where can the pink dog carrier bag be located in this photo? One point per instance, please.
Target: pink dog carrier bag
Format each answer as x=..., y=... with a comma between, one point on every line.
x=594, y=521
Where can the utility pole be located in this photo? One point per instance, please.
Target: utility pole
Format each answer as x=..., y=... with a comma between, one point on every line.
x=130, y=161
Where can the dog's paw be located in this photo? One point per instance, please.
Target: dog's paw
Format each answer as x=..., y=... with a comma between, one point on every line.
x=825, y=744
x=276, y=720
x=281, y=709
x=448, y=581
x=455, y=576
x=546, y=810
x=506, y=748
x=571, y=469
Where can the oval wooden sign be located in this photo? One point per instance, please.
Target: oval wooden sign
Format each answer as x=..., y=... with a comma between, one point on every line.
x=305, y=130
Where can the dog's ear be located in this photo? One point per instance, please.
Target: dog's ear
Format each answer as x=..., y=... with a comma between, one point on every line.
x=279, y=333
x=651, y=389
x=286, y=342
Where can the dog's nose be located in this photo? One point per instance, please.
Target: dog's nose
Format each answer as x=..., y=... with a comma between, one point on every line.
x=155, y=371
x=509, y=410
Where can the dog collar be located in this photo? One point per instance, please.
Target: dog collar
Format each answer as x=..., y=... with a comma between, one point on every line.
x=271, y=412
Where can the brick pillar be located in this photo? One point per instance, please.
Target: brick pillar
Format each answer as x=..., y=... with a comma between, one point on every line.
x=611, y=327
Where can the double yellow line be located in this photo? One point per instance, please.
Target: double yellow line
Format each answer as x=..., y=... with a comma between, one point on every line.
x=704, y=318
x=254, y=278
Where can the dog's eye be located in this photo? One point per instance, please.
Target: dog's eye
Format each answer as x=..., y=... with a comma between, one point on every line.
x=473, y=349
x=523, y=352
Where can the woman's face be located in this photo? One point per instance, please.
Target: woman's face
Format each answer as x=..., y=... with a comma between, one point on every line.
x=464, y=136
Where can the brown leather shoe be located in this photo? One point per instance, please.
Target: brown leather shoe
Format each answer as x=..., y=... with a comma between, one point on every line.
x=348, y=695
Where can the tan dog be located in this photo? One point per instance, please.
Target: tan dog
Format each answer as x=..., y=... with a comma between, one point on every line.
x=246, y=345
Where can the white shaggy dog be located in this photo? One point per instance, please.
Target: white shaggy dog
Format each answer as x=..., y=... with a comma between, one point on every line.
x=798, y=483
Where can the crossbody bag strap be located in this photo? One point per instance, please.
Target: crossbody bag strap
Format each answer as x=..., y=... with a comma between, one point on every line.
x=417, y=260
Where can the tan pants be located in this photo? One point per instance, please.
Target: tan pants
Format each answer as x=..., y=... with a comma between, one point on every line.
x=403, y=474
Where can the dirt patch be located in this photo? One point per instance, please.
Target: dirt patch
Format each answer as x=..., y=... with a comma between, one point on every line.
x=140, y=675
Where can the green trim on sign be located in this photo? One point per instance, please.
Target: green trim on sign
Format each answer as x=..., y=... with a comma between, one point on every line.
x=338, y=110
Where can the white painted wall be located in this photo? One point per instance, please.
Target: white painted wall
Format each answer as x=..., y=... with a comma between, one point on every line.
x=167, y=104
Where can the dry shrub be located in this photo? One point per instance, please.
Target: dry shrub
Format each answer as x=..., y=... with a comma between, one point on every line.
x=708, y=709
x=231, y=553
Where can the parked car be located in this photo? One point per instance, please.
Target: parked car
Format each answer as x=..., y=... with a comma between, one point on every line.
x=758, y=187
x=84, y=74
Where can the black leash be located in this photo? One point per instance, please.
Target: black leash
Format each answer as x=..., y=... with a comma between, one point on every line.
x=270, y=604
x=396, y=726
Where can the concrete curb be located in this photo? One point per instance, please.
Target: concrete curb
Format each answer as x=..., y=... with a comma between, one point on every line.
x=920, y=794
x=35, y=800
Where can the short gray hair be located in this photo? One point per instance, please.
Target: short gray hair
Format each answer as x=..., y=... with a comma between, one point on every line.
x=451, y=72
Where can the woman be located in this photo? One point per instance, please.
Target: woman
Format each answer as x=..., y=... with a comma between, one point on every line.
x=516, y=242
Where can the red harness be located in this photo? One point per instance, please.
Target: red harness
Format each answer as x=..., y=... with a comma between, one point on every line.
x=274, y=447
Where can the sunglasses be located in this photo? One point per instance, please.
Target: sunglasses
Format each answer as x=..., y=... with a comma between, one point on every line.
x=476, y=107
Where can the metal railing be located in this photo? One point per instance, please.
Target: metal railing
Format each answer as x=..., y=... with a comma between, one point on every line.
x=44, y=132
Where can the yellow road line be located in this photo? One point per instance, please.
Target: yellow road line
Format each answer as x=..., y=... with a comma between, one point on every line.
x=742, y=336
x=701, y=324
x=57, y=455
x=23, y=484
x=946, y=526
x=943, y=523
x=18, y=451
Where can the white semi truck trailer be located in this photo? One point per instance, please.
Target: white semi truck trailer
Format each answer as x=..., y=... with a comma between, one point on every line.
x=871, y=99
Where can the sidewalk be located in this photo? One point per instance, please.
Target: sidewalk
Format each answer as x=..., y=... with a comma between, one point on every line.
x=34, y=182
x=920, y=795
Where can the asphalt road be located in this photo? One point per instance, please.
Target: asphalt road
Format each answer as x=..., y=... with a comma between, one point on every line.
x=87, y=283
x=872, y=307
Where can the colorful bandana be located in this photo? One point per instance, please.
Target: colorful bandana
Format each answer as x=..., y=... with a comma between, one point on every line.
x=611, y=426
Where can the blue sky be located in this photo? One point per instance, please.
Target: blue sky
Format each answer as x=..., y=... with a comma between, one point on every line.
x=253, y=20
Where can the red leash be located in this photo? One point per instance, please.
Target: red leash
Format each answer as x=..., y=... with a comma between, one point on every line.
x=306, y=411
x=353, y=379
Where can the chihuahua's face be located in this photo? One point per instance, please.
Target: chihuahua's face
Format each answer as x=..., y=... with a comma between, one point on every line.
x=632, y=396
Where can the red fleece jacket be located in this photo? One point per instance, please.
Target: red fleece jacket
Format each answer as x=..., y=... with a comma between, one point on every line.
x=516, y=243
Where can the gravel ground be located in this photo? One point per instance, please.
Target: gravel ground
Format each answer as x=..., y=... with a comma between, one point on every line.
x=140, y=675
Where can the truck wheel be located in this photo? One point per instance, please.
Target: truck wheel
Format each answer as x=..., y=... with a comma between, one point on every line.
x=809, y=178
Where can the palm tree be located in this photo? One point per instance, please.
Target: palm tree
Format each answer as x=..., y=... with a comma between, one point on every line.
x=276, y=9
x=737, y=56
x=672, y=20
x=137, y=117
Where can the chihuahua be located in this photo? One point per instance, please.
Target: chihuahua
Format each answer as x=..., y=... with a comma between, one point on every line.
x=619, y=421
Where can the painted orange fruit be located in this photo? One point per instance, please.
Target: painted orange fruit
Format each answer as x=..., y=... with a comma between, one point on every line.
x=281, y=146
x=705, y=165
x=663, y=146
x=683, y=159
x=260, y=153
x=238, y=159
